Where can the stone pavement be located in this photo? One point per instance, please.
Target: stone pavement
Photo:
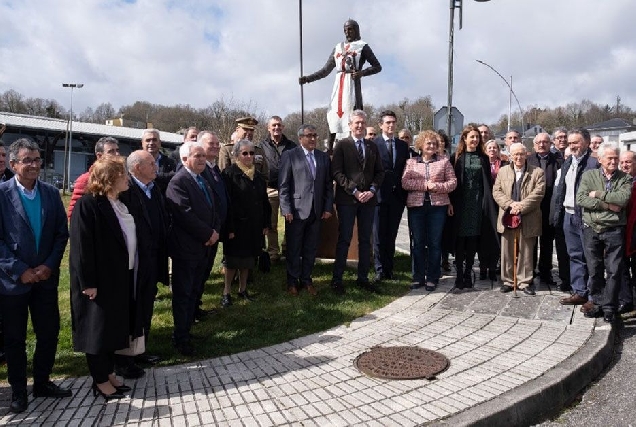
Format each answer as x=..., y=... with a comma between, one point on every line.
x=511, y=360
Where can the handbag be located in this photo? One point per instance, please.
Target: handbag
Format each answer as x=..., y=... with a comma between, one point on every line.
x=511, y=221
x=264, y=262
x=136, y=346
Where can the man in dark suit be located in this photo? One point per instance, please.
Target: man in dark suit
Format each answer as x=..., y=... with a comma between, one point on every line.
x=550, y=163
x=213, y=177
x=166, y=167
x=5, y=173
x=391, y=197
x=306, y=197
x=195, y=229
x=148, y=207
x=33, y=236
x=357, y=170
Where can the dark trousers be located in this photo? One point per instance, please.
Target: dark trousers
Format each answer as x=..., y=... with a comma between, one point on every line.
x=386, y=223
x=426, y=223
x=604, y=253
x=187, y=276
x=465, y=249
x=302, y=237
x=147, y=292
x=347, y=215
x=100, y=366
x=42, y=304
x=576, y=253
x=626, y=294
x=562, y=256
x=208, y=270
x=545, y=251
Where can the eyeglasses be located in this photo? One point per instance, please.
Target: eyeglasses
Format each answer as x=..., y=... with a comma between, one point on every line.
x=372, y=134
x=310, y=135
x=151, y=139
x=27, y=161
x=247, y=153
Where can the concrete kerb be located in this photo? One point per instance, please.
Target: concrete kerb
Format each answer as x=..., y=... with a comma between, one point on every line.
x=545, y=396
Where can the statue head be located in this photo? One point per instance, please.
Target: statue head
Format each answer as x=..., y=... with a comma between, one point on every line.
x=351, y=30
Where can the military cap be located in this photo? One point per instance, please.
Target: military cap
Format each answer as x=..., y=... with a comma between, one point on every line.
x=247, y=122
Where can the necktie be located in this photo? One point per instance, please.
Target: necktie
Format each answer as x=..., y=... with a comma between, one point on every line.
x=360, y=152
x=390, y=150
x=312, y=166
x=205, y=190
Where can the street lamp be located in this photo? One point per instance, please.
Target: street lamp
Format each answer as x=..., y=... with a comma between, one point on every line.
x=454, y=4
x=512, y=93
x=70, y=133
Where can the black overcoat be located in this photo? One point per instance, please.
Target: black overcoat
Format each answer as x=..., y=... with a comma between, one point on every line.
x=98, y=259
x=248, y=215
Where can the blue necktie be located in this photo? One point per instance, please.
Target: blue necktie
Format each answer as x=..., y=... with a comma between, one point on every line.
x=312, y=166
x=205, y=190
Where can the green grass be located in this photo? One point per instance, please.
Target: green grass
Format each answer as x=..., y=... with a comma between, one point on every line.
x=273, y=318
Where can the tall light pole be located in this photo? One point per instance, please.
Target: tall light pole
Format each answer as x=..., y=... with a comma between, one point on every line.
x=510, y=95
x=70, y=133
x=454, y=4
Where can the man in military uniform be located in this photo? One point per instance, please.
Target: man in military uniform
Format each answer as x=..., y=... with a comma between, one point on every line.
x=244, y=130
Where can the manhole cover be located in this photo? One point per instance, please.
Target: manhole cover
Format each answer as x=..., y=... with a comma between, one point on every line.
x=401, y=363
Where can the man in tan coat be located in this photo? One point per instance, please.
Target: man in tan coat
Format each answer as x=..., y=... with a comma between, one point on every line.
x=519, y=189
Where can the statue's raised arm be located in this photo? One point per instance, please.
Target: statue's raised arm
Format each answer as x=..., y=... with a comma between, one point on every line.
x=348, y=58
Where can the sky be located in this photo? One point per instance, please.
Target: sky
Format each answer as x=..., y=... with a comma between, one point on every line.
x=247, y=51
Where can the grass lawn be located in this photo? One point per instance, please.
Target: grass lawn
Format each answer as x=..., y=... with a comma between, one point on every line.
x=273, y=318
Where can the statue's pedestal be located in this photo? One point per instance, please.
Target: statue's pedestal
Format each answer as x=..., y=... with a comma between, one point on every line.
x=329, y=239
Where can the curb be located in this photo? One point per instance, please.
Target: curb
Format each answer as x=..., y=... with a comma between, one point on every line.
x=545, y=396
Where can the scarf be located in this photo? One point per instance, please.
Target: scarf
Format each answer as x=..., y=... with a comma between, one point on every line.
x=247, y=170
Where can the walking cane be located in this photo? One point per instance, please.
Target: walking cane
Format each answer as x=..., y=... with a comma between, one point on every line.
x=514, y=262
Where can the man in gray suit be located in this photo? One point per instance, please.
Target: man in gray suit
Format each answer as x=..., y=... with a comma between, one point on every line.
x=306, y=197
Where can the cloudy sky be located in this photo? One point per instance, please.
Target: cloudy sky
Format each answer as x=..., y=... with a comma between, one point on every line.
x=197, y=51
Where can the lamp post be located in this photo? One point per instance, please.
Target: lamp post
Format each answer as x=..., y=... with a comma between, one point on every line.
x=70, y=133
x=454, y=4
x=510, y=95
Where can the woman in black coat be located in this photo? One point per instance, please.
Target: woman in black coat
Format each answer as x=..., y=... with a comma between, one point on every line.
x=473, y=210
x=103, y=248
x=248, y=219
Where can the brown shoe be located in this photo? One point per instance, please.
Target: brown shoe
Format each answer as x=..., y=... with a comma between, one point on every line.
x=573, y=300
x=587, y=307
x=292, y=290
x=312, y=291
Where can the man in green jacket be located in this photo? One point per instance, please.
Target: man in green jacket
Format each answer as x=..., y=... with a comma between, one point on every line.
x=603, y=194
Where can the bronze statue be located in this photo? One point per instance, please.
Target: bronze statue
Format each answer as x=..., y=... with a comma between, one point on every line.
x=348, y=58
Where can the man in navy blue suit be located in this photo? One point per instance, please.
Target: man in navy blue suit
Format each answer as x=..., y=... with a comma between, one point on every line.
x=306, y=198
x=33, y=236
x=391, y=196
x=195, y=229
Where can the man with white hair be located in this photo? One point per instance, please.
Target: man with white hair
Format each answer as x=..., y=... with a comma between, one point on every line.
x=166, y=167
x=519, y=190
x=603, y=194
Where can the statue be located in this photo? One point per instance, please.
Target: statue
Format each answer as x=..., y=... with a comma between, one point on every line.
x=348, y=58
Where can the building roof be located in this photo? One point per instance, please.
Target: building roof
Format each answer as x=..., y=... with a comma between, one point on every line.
x=611, y=124
x=51, y=124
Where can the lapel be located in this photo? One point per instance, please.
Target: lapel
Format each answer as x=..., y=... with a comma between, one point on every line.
x=139, y=194
x=44, y=204
x=197, y=192
x=305, y=161
x=14, y=196
x=111, y=218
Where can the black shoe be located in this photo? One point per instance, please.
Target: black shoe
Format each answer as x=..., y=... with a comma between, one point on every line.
x=608, y=316
x=148, y=359
x=130, y=371
x=122, y=388
x=245, y=296
x=416, y=285
x=529, y=290
x=226, y=301
x=446, y=266
x=565, y=287
x=625, y=308
x=50, y=389
x=483, y=274
x=504, y=289
x=430, y=287
x=336, y=286
x=185, y=348
x=115, y=395
x=368, y=286
x=595, y=312
x=19, y=402
x=200, y=314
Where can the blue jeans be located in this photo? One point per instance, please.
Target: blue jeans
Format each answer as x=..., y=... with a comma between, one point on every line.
x=574, y=241
x=604, y=253
x=427, y=224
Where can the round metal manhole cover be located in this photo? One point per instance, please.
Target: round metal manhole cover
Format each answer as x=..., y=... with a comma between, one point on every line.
x=401, y=363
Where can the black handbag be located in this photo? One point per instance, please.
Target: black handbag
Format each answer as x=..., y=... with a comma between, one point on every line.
x=264, y=262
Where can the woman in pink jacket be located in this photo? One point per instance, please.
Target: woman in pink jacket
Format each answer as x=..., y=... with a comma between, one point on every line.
x=428, y=180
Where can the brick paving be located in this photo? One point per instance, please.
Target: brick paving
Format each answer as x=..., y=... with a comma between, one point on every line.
x=495, y=343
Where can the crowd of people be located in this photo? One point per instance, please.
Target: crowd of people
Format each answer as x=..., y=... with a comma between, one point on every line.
x=133, y=219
